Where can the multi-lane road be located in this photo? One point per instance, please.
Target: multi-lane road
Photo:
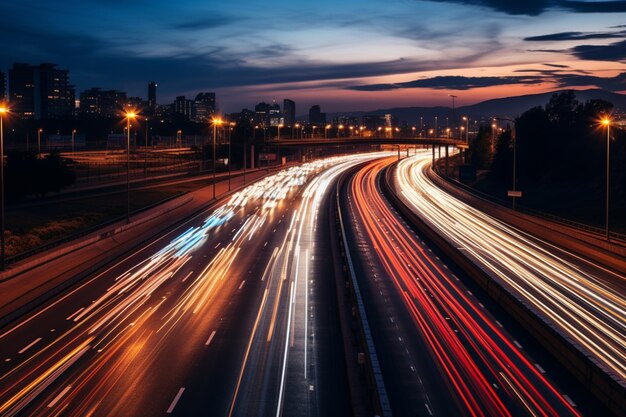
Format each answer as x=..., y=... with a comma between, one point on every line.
x=442, y=353
x=213, y=318
x=233, y=312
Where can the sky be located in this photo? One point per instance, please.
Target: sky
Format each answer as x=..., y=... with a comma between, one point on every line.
x=342, y=54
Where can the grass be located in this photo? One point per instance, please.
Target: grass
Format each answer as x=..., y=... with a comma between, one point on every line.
x=30, y=227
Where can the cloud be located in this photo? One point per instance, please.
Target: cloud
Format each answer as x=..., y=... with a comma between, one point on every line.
x=454, y=82
x=617, y=83
x=613, y=52
x=576, y=36
x=537, y=7
x=204, y=23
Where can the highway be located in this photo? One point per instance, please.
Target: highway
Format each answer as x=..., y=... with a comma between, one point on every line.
x=222, y=315
x=441, y=351
x=584, y=301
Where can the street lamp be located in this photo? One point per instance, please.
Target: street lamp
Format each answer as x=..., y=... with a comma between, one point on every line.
x=73, y=133
x=313, y=131
x=326, y=131
x=436, y=127
x=279, y=126
x=340, y=129
x=351, y=130
x=3, y=111
x=129, y=115
x=230, y=129
x=216, y=123
x=39, y=132
x=607, y=122
x=297, y=125
x=466, y=120
x=413, y=129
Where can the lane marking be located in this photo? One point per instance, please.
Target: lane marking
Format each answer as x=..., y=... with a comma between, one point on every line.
x=173, y=404
x=569, y=400
x=516, y=343
x=58, y=397
x=241, y=285
x=543, y=371
x=208, y=342
x=29, y=346
x=75, y=313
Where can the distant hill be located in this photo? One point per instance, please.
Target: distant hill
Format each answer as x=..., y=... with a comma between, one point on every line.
x=499, y=107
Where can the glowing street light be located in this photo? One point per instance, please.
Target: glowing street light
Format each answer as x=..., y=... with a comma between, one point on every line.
x=326, y=131
x=351, y=130
x=73, y=134
x=216, y=123
x=129, y=115
x=607, y=122
x=39, y=132
x=3, y=110
x=279, y=126
x=313, y=131
x=466, y=120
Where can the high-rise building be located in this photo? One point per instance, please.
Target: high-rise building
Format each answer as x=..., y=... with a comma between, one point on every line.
x=152, y=90
x=275, y=115
x=205, y=106
x=3, y=87
x=185, y=107
x=289, y=112
x=316, y=117
x=262, y=114
x=41, y=91
x=102, y=104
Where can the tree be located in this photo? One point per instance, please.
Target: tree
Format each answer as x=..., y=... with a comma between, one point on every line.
x=26, y=174
x=480, y=148
x=502, y=166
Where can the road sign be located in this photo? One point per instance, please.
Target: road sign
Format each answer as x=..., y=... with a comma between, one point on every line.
x=514, y=193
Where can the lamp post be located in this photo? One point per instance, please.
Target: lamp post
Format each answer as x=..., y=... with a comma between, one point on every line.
x=514, y=139
x=297, y=126
x=313, y=131
x=326, y=131
x=146, y=133
x=73, y=134
x=230, y=129
x=340, y=129
x=3, y=111
x=607, y=122
x=466, y=120
x=421, y=126
x=216, y=123
x=436, y=127
x=453, y=97
x=130, y=115
x=39, y=132
x=413, y=129
x=279, y=126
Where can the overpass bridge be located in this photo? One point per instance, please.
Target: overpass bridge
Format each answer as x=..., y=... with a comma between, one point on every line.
x=399, y=141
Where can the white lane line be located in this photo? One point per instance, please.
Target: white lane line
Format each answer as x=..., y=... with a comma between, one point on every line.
x=516, y=343
x=569, y=400
x=75, y=313
x=428, y=409
x=29, y=346
x=499, y=324
x=218, y=245
x=58, y=397
x=543, y=371
x=241, y=285
x=187, y=276
x=208, y=341
x=173, y=404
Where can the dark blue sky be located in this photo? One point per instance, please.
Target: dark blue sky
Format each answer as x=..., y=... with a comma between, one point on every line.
x=342, y=54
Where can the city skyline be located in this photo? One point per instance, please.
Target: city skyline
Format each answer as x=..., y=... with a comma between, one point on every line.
x=348, y=56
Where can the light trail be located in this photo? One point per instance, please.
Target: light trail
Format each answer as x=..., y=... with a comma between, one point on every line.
x=123, y=333
x=583, y=306
x=470, y=350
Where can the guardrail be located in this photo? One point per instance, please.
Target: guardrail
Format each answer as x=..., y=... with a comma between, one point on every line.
x=381, y=399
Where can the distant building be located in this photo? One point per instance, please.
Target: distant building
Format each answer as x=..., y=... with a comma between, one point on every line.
x=262, y=114
x=373, y=121
x=102, y=104
x=185, y=107
x=137, y=103
x=41, y=91
x=289, y=112
x=152, y=97
x=275, y=115
x=205, y=106
x=391, y=120
x=316, y=117
x=3, y=87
